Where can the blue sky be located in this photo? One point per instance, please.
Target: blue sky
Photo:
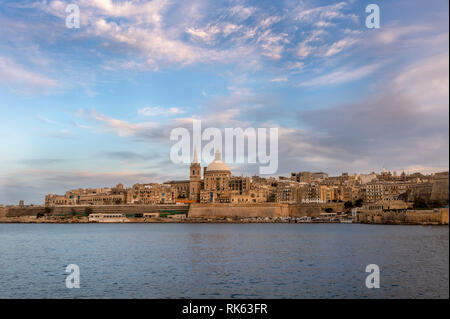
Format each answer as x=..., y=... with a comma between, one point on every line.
x=94, y=106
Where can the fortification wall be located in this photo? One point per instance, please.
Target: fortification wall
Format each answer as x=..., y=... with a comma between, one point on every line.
x=440, y=187
x=431, y=217
x=313, y=210
x=272, y=210
x=66, y=210
x=444, y=216
x=197, y=210
x=2, y=212
x=24, y=211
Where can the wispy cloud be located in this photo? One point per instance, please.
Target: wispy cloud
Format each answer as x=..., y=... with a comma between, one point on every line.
x=324, y=13
x=342, y=76
x=61, y=134
x=245, y=35
x=79, y=125
x=43, y=119
x=122, y=128
x=280, y=79
x=23, y=80
x=340, y=45
x=158, y=110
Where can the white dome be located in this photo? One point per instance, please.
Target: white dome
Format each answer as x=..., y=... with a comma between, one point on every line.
x=218, y=164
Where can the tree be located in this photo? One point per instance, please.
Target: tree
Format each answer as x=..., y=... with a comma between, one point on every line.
x=435, y=204
x=88, y=211
x=348, y=205
x=359, y=202
x=403, y=196
x=47, y=211
x=420, y=203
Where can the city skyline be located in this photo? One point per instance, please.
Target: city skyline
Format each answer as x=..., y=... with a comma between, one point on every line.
x=94, y=106
x=216, y=183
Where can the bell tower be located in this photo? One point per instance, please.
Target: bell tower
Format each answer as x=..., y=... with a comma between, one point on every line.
x=194, y=178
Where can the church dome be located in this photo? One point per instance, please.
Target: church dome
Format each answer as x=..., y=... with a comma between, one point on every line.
x=218, y=164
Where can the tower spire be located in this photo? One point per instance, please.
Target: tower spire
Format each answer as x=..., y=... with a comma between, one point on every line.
x=195, y=155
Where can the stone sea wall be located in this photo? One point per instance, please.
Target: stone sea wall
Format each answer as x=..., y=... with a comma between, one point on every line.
x=417, y=217
x=313, y=210
x=272, y=210
x=24, y=211
x=66, y=210
x=196, y=210
x=234, y=211
x=2, y=212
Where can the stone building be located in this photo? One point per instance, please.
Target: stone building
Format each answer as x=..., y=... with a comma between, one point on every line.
x=195, y=179
x=216, y=183
x=89, y=196
x=303, y=177
x=181, y=187
x=326, y=194
x=251, y=196
x=346, y=193
x=152, y=194
x=286, y=192
x=309, y=193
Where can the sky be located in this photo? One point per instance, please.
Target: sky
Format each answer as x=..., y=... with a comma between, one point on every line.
x=94, y=106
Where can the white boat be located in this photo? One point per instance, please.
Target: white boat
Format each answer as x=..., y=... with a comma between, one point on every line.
x=107, y=218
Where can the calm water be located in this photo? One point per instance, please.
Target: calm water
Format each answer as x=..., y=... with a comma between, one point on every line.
x=223, y=260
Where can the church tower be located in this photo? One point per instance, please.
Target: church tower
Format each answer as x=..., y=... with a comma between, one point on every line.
x=194, y=179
